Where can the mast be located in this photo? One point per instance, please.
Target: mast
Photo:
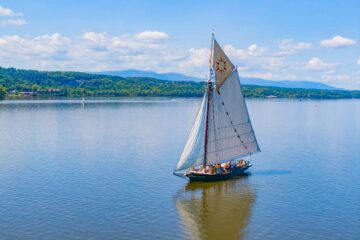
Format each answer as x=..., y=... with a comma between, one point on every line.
x=209, y=89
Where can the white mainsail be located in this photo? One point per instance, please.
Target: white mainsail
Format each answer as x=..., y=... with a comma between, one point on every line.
x=230, y=133
x=222, y=130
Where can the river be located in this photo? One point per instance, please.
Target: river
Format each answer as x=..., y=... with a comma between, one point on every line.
x=103, y=170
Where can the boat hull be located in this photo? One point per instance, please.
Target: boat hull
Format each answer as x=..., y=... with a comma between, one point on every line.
x=201, y=177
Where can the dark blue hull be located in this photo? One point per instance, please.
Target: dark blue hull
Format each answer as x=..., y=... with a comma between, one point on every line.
x=201, y=177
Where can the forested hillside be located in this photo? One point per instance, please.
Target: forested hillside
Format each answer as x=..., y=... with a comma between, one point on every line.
x=20, y=83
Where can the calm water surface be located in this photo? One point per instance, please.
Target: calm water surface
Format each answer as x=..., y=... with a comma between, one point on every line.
x=104, y=171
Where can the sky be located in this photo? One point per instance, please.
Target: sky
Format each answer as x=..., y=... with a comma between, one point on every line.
x=278, y=40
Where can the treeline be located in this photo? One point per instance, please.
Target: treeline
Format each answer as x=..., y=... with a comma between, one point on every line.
x=20, y=83
x=261, y=92
x=71, y=84
x=2, y=92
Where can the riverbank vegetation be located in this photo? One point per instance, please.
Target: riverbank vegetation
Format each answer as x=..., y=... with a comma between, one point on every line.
x=25, y=83
x=2, y=92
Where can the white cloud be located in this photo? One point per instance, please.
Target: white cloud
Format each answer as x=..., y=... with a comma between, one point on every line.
x=254, y=50
x=9, y=21
x=95, y=37
x=255, y=61
x=197, y=58
x=252, y=53
x=7, y=12
x=12, y=22
x=337, y=41
x=317, y=64
x=358, y=62
x=152, y=36
x=234, y=52
x=290, y=47
x=194, y=61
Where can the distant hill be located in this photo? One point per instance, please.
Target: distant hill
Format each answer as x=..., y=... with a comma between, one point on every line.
x=162, y=76
x=244, y=80
x=287, y=84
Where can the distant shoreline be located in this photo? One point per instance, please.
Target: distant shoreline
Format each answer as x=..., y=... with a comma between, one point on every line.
x=28, y=84
x=249, y=91
x=87, y=98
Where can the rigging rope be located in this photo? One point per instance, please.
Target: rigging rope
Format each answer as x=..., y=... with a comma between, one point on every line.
x=231, y=122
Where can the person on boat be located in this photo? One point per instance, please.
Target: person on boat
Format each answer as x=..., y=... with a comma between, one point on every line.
x=218, y=169
x=226, y=167
x=212, y=169
x=239, y=164
x=245, y=163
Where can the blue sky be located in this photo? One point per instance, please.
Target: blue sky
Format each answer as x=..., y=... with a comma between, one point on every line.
x=295, y=40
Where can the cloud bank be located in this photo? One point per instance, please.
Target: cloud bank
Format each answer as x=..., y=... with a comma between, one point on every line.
x=94, y=51
x=153, y=50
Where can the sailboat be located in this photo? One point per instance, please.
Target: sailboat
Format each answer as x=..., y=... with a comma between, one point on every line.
x=222, y=132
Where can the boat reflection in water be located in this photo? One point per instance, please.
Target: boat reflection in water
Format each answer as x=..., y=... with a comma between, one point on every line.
x=216, y=210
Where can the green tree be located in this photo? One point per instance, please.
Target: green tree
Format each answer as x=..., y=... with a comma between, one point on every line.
x=2, y=92
x=35, y=87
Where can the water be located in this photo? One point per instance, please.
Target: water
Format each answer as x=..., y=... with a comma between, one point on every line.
x=104, y=171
